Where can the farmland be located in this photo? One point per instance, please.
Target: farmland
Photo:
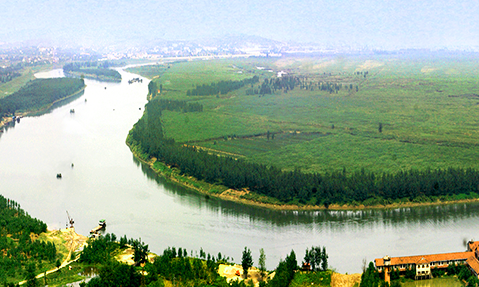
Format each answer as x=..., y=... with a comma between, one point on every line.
x=426, y=107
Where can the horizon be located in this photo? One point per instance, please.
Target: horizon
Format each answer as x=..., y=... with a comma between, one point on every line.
x=369, y=24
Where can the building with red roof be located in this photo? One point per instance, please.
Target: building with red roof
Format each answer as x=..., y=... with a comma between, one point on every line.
x=424, y=263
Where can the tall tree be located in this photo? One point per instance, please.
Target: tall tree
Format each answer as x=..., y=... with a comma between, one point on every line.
x=246, y=261
x=262, y=263
x=140, y=252
x=324, y=262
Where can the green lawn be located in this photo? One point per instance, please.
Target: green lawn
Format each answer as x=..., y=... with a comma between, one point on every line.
x=428, y=108
x=436, y=282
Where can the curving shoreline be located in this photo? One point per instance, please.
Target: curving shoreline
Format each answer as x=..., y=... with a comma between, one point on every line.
x=239, y=196
x=6, y=120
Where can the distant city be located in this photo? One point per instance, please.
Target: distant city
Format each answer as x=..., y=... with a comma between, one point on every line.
x=37, y=52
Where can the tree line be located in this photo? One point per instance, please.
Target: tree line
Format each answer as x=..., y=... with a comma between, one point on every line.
x=19, y=251
x=38, y=93
x=176, y=265
x=9, y=73
x=94, y=70
x=221, y=87
x=288, y=83
x=331, y=187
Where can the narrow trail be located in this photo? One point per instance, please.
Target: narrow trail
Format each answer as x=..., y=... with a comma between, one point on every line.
x=74, y=242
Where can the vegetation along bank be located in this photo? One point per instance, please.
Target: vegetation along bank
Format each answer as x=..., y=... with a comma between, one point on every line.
x=237, y=129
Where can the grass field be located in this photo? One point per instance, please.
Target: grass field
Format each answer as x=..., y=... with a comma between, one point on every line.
x=436, y=282
x=428, y=108
x=15, y=84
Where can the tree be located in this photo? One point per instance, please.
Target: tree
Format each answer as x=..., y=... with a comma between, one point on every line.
x=262, y=263
x=370, y=277
x=140, y=252
x=30, y=275
x=380, y=128
x=324, y=262
x=246, y=261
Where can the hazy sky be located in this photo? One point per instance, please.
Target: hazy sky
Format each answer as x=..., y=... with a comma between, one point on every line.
x=373, y=23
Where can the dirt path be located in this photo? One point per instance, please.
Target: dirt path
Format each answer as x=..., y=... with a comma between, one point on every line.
x=73, y=242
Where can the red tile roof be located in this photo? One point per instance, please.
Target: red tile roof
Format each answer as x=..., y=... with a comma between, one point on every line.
x=420, y=259
x=473, y=263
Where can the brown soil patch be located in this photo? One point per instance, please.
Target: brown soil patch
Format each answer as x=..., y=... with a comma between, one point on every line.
x=231, y=273
x=344, y=280
x=127, y=256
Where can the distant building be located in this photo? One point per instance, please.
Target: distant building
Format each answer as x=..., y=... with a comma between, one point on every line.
x=424, y=263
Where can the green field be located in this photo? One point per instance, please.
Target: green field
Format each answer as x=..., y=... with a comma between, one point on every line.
x=436, y=282
x=14, y=85
x=428, y=108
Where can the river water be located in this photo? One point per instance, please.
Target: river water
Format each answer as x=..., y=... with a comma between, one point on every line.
x=107, y=182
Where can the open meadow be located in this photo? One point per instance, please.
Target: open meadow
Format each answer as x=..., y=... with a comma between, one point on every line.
x=384, y=113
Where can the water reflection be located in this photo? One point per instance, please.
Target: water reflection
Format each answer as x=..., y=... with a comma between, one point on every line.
x=430, y=216
x=57, y=105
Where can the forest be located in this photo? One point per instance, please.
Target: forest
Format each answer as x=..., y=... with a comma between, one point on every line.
x=179, y=267
x=19, y=252
x=334, y=187
x=38, y=94
x=93, y=70
x=221, y=87
x=10, y=72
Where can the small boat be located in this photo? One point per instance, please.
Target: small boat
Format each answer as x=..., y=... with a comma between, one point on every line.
x=101, y=226
x=72, y=111
x=59, y=175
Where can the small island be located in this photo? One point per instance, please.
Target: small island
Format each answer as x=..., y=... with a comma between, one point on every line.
x=99, y=71
x=38, y=95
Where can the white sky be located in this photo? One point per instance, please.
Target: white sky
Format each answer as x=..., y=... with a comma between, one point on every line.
x=372, y=23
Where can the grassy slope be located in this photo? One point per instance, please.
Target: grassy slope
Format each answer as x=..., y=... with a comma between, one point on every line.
x=423, y=127
x=15, y=84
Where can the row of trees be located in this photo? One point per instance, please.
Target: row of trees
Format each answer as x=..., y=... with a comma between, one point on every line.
x=335, y=186
x=287, y=83
x=39, y=93
x=222, y=87
x=317, y=258
x=327, y=188
x=175, y=266
x=9, y=73
x=95, y=70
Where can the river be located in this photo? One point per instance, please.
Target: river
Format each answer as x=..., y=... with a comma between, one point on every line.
x=107, y=182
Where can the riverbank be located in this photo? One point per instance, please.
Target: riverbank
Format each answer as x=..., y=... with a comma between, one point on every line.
x=250, y=198
x=6, y=120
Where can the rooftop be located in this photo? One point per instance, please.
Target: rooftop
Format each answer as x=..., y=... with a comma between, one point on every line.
x=423, y=259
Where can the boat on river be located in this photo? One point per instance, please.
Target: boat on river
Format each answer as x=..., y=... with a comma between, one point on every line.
x=96, y=231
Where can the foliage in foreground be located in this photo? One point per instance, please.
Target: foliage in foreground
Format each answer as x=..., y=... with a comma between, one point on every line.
x=21, y=256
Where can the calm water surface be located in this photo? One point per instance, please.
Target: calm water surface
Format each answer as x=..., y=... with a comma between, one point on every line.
x=107, y=182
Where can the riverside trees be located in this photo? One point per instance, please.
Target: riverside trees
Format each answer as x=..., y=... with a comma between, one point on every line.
x=39, y=93
x=332, y=187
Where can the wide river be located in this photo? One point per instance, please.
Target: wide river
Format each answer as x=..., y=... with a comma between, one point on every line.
x=106, y=182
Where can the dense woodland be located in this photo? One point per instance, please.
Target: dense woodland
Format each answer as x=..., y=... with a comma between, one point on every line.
x=335, y=187
x=222, y=87
x=19, y=252
x=9, y=73
x=93, y=70
x=38, y=94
